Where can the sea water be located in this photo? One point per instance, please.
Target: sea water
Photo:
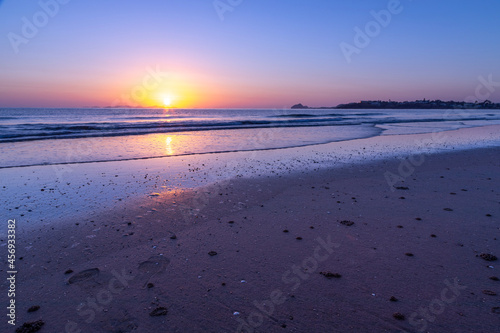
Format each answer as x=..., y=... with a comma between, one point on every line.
x=30, y=137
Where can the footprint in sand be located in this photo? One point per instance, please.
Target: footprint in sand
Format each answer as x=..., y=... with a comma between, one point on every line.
x=154, y=265
x=124, y=325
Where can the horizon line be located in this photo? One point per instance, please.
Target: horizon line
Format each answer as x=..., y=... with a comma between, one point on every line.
x=234, y=108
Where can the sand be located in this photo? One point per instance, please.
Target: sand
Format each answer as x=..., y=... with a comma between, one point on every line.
x=311, y=250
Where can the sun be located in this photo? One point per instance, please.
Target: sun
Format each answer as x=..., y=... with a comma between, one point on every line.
x=167, y=101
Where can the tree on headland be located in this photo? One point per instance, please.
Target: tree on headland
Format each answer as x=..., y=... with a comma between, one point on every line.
x=419, y=104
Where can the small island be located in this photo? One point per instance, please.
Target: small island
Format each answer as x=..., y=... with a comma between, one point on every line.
x=419, y=104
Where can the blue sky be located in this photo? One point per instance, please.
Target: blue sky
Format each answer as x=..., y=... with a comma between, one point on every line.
x=263, y=53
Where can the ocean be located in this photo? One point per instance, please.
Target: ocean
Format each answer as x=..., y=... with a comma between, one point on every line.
x=30, y=137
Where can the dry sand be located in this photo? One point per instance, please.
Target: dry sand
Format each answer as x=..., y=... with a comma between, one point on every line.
x=247, y=255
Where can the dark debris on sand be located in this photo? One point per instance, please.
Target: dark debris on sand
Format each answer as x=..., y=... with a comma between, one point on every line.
x=330, y=275
x=494, y=278
x=34, y=308
x=393, y=299
x=31, y=327
x=160, y=311
x=489, y=292
x=212, y=253
x=399, y=316
x=401, y=188
x=488, y=257
x=347, y=223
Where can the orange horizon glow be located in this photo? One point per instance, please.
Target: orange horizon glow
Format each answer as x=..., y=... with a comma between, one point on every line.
x=252, y=60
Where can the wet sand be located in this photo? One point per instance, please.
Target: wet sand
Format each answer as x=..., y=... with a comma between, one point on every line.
x=331, y=250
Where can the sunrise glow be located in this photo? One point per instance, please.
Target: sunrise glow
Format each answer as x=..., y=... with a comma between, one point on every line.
x=167, y=102
x=216, y=62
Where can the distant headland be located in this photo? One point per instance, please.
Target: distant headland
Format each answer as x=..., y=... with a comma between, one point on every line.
x=419, y=104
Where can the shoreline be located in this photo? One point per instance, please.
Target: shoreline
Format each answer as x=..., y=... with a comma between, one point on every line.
x=385, y=130
x=102, y=136
x=44, y=195
x=243, y=220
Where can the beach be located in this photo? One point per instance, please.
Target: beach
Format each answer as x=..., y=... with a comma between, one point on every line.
x=235, y=166
x=385, y=234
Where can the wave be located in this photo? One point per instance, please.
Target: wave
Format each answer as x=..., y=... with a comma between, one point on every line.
x=94, y=123
x=29, y=132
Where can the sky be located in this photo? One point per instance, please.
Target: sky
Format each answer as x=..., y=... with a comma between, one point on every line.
x=246, y=53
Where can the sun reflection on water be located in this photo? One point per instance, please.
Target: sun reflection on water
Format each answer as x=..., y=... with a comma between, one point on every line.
x=168, y=145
